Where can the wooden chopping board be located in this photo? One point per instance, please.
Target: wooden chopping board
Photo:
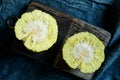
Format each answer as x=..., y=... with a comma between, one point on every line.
x=67, y=26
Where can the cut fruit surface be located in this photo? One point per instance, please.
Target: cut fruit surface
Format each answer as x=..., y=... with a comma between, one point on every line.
x=38, y=30
x=83, y=51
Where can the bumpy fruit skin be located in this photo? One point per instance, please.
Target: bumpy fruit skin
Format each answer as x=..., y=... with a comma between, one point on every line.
x=83, y=51
x=38, y=30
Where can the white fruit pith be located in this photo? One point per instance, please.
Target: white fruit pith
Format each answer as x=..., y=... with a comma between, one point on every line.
x=37, y=29
x=84, y=52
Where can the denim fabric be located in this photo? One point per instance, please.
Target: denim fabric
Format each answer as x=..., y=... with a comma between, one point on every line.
x=101, y=13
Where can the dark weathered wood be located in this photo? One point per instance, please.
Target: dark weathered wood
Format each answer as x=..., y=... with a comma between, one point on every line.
x=67, y=26
x=78, y=25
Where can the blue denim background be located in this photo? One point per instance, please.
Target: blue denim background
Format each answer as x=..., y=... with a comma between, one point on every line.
x=101, y=13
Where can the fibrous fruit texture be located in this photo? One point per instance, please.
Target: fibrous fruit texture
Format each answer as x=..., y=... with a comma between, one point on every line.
x=83, y=51
x=38, y=30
